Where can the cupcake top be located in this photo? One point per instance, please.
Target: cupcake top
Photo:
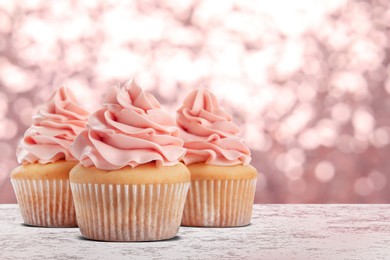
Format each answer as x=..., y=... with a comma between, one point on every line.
x=208, y=132
x=130, y=129
x=54, y=128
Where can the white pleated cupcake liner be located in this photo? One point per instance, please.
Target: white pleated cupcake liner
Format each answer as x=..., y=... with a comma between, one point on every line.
x=138, y=212
x=45, y=203
x=219, y=203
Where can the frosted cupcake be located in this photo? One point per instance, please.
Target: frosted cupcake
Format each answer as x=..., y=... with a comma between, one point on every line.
x=129, y=185
x=223, y=183
x=41, y=183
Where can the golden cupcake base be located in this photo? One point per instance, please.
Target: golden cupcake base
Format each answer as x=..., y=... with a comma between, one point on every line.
x=144, y=203
x=44, y=195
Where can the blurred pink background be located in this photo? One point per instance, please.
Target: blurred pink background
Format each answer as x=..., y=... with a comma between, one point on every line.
x=307, y=81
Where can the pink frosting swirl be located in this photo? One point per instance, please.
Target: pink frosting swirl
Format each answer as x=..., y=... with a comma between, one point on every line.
x=53, y=130
x=130, y=129
x=208, y=132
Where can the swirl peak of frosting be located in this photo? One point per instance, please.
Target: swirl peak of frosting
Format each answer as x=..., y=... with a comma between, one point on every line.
x=130, y=129
x=53, y=129
x=201, y=115
x=209, y=134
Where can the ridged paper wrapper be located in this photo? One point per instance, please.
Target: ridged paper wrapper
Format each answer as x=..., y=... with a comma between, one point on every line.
x=219, y=203
x=45, y=202
x=129, y=212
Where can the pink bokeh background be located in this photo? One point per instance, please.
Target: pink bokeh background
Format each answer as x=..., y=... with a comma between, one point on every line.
x=308, y=82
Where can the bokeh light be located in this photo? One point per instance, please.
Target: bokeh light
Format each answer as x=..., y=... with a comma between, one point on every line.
x=307, y=81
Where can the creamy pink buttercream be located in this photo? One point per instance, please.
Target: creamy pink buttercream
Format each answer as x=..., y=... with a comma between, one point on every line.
x=209, y=134
x=54, y=128
x=130, y=129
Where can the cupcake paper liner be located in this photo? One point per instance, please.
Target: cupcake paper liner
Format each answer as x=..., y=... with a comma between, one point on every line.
x=120, y=212
x=45, y=203
x=219, y=203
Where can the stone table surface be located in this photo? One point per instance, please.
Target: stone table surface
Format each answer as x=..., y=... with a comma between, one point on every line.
x=276, y=232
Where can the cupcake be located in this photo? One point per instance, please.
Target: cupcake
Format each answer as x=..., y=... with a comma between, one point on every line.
x=129, y=185
x=41, y=183
x=223, y=183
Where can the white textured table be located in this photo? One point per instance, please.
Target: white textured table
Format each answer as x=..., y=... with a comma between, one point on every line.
x=276, y=232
